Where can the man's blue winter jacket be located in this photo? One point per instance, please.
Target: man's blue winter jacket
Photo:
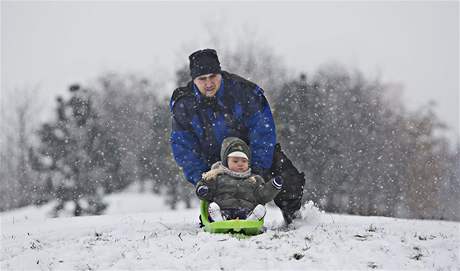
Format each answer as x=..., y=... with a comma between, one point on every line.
x=200, y=124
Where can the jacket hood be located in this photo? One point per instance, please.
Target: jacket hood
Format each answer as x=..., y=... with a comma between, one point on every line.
x=231, y=144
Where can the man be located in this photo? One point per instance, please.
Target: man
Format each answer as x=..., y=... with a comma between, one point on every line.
x=217, y=104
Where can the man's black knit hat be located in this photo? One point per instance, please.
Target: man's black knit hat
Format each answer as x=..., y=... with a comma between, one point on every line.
x=204, y=62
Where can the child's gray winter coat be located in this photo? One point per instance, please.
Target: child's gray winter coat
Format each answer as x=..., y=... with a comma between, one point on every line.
x=231, y=189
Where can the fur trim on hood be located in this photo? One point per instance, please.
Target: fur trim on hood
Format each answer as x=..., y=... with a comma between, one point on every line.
x=218, y=169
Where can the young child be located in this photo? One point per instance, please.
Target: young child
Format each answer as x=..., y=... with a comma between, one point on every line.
x=230, y=187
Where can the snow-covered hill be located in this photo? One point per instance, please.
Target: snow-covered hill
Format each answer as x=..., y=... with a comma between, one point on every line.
x=131, y=238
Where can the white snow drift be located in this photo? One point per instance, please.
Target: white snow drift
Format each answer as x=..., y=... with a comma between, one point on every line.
x=164, y=239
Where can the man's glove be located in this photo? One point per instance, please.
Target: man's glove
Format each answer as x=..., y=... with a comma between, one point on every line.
x=277, y=182
x=278, y=160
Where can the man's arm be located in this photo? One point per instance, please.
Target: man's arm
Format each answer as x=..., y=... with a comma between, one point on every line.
x=262, y=133
x=185, y=145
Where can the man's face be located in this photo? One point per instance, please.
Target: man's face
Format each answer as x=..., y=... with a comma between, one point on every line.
x=238, y=164
x=208, y=84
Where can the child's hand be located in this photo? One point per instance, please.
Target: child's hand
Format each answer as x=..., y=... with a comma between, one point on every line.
x=277, y=182
x=202, y=191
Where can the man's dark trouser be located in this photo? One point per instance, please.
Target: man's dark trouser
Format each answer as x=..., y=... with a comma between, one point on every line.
x=289, y=199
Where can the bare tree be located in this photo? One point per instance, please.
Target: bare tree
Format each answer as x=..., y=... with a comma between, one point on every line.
x=245, y=52
x=20, y=113
x=363, y=156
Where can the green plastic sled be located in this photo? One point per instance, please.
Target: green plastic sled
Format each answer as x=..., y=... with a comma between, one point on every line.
x=247, y=227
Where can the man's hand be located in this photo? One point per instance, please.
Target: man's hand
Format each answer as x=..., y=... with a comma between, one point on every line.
x=278, y=160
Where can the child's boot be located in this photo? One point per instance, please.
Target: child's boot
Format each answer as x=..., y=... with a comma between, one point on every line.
x=214, y=212
x=258, y=213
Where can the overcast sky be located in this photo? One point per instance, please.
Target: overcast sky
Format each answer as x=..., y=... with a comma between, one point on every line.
x=53, y=44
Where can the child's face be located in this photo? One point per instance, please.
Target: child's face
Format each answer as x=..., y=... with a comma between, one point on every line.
x=238, y=164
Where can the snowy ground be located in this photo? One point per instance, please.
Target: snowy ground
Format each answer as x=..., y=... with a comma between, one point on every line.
x=139, y=232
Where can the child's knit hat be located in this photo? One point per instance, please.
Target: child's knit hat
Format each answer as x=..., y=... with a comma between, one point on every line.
x=238, y=154
x=234, y=147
